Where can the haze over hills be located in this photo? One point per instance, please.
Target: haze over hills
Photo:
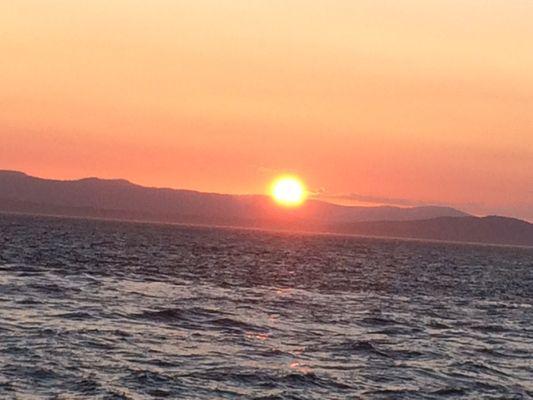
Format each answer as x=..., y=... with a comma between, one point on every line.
x=123, y=197
x=120, y=199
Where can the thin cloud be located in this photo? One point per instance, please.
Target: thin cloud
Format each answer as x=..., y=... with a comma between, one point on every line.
x=365, y=198
x=383, y=200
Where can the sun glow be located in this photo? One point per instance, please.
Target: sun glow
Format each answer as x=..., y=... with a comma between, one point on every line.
x=288, y=191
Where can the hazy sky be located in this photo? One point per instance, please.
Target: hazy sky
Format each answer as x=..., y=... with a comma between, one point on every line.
x=403, y=102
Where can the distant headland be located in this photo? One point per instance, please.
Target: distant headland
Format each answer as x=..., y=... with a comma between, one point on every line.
x=121, y=199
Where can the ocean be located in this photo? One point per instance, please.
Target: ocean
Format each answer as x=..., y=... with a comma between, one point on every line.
x=115, y=310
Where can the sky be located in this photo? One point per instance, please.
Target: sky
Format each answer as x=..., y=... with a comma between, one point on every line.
x=403, y=102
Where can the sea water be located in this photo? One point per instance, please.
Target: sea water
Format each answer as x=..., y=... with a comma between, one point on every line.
x=115, y=310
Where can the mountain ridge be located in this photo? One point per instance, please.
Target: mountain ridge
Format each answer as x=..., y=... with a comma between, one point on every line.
x=125, y=195
x=122, y=199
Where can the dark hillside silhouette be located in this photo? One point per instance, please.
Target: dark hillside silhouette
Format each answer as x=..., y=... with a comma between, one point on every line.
x=120, y=199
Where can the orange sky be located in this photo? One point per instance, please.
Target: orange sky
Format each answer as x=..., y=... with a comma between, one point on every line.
x=403, y=102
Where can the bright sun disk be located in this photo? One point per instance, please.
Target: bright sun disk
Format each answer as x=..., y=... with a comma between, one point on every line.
x=288, y=191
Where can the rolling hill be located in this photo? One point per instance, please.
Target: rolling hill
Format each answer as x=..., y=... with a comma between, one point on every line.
x=120, y=199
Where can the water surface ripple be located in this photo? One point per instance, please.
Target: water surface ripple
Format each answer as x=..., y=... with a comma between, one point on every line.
x=110, y=310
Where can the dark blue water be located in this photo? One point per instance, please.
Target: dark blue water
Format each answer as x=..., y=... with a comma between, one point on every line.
x=108, y=310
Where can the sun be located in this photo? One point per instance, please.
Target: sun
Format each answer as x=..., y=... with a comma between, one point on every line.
x=288, y=191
